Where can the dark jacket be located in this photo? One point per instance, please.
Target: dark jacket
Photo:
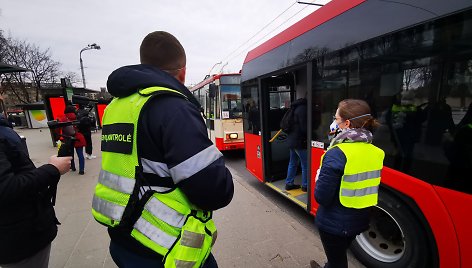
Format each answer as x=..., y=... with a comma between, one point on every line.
x=171, y=130
x=297, y=137
x=332, y=217
x=27, y=221
x=85, y=121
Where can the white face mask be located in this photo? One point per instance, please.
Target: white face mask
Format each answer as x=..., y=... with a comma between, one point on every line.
x=333, y=130
x=333, y=127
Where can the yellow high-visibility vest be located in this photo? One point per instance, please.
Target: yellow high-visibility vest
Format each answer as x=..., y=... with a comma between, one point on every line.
x=165, y=222
x=360, y=182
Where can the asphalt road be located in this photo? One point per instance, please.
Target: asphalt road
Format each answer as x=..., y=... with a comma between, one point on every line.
x=236, y=162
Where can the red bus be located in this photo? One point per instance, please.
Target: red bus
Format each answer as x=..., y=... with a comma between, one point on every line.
x=220, y=97
x=412, y=62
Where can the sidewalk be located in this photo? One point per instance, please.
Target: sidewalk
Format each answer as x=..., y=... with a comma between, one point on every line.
x=252, y=231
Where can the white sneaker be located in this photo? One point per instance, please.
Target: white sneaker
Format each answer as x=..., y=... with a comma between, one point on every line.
x=90, y=156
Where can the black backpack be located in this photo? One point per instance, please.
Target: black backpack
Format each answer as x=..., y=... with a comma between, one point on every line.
x=84, y=119
x=288, y=121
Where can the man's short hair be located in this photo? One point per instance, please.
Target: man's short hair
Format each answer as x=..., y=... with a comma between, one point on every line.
x=162, y=50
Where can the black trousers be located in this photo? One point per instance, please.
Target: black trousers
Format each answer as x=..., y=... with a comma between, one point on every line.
x=88, y=141
x=335, y=248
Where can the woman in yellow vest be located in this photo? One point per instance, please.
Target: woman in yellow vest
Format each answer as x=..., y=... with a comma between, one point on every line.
x=348, y=181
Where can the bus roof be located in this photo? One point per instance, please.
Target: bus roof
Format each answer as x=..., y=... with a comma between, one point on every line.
x=318, y=17
x=210, y=79
x=339, y=24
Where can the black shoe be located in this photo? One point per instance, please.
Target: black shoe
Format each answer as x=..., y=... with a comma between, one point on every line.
x=304, y=189
x=291, y=186
x=314, y=264
x=73, y=169
x=81, y=172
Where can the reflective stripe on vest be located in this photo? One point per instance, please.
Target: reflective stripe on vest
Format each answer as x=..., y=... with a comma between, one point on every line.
x=187, y=168
x=155, y=234
x=360, y=182
x=396, y=108
x=360, y=192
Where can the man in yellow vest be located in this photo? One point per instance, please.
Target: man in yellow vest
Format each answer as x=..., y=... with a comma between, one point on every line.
x=161, y=176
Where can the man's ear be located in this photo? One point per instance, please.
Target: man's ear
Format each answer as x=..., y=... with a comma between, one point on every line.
x=181, y=75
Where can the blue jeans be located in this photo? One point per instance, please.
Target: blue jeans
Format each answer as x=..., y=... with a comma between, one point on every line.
x=124, y=258
x=80, y=155
x=295, y=155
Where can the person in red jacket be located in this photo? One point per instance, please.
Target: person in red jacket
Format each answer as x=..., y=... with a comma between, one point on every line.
x=70, y=115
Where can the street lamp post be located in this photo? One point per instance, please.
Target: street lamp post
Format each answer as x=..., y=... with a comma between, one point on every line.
x=88, y=47
x=209, y=73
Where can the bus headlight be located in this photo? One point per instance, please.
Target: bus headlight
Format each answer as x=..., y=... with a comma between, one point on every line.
x=231, y=136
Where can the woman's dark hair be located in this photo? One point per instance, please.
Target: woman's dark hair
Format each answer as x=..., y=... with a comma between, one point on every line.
x=352, y=108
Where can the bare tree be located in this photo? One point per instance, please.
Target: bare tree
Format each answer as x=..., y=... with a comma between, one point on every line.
x=3, y=44
x=42, y=69
x=73, y=78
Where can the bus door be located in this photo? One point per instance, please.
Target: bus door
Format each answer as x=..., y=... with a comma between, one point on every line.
x=277, y=95
x=211, y=110
x=252, y=127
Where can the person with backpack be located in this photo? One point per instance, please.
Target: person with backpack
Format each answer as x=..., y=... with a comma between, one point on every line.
x=79, y=144
x=294, y=124
x=85, y=127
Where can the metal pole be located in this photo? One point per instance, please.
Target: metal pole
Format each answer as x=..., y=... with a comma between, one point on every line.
x=82, y=68
x=209, y=73
x=313, y=4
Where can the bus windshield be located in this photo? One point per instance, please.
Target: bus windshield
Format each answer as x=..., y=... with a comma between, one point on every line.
x=231, y=101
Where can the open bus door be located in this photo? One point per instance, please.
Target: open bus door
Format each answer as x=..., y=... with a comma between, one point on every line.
x=266, y=101
x=211, y=112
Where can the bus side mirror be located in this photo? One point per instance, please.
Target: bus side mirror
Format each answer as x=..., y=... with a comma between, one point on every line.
x=212, y=91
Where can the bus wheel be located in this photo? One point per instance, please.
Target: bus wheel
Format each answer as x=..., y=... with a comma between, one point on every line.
x=395, y=237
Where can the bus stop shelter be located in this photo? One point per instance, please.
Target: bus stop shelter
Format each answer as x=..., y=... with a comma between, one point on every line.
x=7, y=68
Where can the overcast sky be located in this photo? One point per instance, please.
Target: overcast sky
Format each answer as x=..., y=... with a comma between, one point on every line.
x=209, y=30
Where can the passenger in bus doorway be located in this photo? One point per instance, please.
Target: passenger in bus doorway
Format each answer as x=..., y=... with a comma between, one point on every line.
x=297, y=143
x=348, y=181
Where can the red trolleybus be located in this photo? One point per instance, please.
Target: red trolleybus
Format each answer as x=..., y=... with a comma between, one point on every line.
x=220, y=97
x=412, y=62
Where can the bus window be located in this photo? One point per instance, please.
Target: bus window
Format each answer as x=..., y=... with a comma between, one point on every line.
x=327, y=91
x=251, y=109
x=231, y=101
x=457, y=144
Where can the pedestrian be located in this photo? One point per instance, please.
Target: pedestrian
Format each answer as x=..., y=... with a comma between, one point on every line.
x=85, y=127
x=28, y=223
x=297, y=144
x=72, y=131
x=347, y=182
x=161, y=176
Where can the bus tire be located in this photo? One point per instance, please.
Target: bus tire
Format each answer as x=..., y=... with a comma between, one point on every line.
x=396, y=238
